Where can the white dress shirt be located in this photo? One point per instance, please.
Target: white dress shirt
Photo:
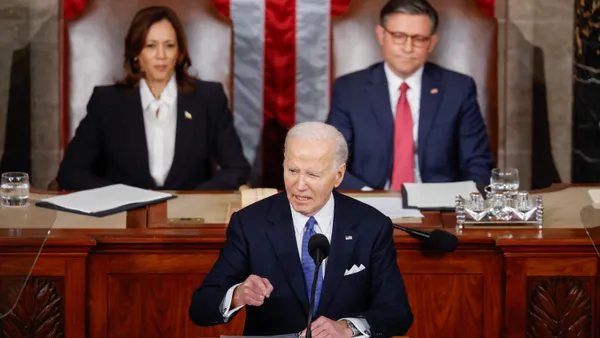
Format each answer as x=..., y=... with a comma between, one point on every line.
x=161, y=129
x=414, y=101
x=324, y=218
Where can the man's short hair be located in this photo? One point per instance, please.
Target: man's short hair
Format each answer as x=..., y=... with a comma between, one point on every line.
x=410, y=7
x=319, y=131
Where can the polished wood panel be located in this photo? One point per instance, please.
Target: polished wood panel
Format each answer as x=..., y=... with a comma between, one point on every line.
x=551, y=290
x=155, y=286
x=452, y=298
x=159, y=301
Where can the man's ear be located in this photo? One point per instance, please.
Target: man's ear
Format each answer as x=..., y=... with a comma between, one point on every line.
x=380, y=32
x=339, y=174
x=433, y=42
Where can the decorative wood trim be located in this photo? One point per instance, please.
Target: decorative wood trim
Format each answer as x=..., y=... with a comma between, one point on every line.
x=559, y=307
x=37, y=312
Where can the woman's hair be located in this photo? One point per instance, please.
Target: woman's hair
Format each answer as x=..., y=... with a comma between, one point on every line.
x=136, y=39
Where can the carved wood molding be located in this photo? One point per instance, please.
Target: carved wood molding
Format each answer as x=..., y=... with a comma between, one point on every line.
x=559, y=307
x=38, y=311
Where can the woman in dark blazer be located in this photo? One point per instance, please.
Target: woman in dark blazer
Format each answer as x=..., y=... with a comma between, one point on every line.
x=158, y=128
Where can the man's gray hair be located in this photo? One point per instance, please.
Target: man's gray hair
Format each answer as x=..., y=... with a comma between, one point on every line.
x=319, y=131
x=410, y=7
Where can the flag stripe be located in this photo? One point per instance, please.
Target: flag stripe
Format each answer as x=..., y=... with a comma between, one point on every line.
x=312, y=72
x=338, y=7
x=280, y=86
x=248, y=18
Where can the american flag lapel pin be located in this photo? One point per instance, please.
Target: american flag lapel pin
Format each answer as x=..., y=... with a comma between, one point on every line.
x=434, y=91
x=348, y=238
x=188, y=116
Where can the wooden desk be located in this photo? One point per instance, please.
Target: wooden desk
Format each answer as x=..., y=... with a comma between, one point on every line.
x=137, y=282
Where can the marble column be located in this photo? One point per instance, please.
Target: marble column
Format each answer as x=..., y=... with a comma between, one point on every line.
x=586, y=92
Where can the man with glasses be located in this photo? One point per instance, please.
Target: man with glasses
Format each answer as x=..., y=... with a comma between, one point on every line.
x=405, y=119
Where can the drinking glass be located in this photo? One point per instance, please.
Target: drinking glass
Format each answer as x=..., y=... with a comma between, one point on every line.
x=505, y=181
x=14, y=189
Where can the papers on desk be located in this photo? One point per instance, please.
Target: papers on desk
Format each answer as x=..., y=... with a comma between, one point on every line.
x=104, y=201
x=438, y=196
x=391, y=207
x=595, y=196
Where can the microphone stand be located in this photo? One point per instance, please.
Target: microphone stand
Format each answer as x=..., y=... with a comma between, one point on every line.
x=311, y=305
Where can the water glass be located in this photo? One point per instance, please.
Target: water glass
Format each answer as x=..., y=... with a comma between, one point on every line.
x=505, y=181
x=15, y=189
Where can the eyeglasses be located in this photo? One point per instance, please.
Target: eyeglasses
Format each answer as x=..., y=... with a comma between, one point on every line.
x=400, y=38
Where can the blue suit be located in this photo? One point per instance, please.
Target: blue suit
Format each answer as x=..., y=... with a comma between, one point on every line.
x=261, y=241
x=452, y=137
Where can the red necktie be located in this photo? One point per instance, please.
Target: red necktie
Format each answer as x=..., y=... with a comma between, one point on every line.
x=403, y=166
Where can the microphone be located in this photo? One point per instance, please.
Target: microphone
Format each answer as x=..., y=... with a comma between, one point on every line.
x=318, y=248
x=436, y=240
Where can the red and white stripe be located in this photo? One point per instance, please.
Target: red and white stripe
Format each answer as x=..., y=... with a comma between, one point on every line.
x=281, y=73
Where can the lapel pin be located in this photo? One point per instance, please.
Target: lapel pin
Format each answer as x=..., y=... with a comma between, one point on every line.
x=348, y=238
x=434, y=91
x=188, y=116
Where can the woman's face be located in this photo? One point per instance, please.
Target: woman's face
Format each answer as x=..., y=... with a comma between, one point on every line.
x=160, y=52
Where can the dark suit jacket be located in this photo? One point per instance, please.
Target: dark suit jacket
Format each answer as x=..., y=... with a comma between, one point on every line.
x=453, y=143
x=261, y=241
x=110, y=143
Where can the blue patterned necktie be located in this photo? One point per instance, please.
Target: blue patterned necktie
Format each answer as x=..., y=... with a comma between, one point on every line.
x=308, y=264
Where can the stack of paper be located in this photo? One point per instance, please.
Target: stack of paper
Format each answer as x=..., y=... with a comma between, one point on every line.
x=436, y=195
x=104, y=201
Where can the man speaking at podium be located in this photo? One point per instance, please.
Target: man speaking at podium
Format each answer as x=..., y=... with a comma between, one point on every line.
x=265, y=265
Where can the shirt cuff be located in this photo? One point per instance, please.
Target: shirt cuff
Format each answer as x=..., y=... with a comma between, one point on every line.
x=366, y=188
x=361, y=324
x=226, y=304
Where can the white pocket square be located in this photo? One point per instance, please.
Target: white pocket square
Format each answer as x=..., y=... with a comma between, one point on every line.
x=354, y=269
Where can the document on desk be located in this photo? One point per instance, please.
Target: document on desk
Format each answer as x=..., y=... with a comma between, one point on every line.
x=437, y=196
x=595, y=196
x=391, y=207
x=104, y=201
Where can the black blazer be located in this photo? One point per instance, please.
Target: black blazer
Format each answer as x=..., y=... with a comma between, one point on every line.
x=109, y=145
x=261, y=241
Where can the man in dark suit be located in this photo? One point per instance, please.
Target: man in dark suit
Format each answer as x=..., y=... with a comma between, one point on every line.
x=265, y=266
x=405, y=119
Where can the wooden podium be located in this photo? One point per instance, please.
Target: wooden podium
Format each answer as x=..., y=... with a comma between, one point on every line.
x=136, y=280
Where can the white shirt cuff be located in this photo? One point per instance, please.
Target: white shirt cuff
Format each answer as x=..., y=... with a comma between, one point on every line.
x=366, y=188
x=361, y=324
x=226, y=304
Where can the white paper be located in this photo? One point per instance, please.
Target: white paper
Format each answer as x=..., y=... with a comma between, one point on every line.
x=391, y=207
x=105, y=198
x=594, y=195
x=437, y=195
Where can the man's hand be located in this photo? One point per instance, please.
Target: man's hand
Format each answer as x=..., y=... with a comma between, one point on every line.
x=252, y=292
x=325, y=327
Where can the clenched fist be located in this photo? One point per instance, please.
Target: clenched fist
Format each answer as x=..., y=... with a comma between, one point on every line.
x=252, y=292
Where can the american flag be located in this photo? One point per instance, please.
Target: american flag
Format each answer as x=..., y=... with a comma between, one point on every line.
x=282, y=75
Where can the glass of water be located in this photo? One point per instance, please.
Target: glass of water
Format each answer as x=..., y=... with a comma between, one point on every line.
x=505, y=181
x=15, y=189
